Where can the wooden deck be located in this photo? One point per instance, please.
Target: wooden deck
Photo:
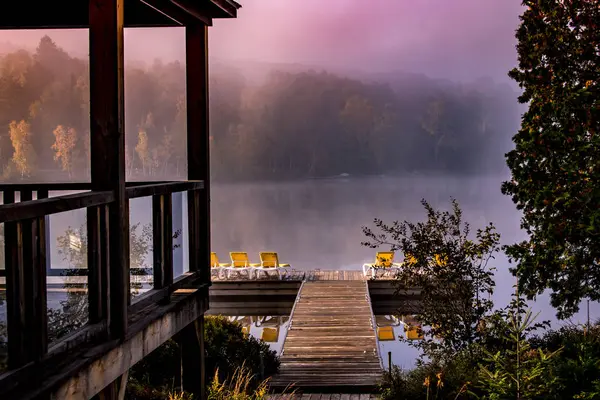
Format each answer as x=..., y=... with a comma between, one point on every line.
x=312, y=275
x=331, y=344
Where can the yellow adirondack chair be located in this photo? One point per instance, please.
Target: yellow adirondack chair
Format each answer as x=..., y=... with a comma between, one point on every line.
x=384, y=260
x=269, y=261
x=240, y=264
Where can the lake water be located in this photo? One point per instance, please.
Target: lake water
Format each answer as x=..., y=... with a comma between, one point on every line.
x=317, y=223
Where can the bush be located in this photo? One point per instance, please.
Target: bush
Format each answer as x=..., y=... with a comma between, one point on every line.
x=450, y=380
x=238, y=387
x=578, y=366
x=227, y=350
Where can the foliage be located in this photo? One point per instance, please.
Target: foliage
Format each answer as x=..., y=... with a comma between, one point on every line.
x=517, y=371
x=578, y=365
x=238, y=387
x=142, y=150
x=72, y=246
x=138, y=391
x=227, y=350
x=450, y=269
x=450, y=380
x=24, y=157
x=64, y=145
x=554, y=164
x=288, y=123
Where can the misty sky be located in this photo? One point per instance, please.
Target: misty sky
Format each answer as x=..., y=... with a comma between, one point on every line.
x=456, y=39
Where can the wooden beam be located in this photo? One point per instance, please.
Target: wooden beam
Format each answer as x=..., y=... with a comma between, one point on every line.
x=33, y=209
x=98, y=258
x=198, y=147
x=86, y=368
x=116, y=390
x=162, y=236
x=193, y=372
x=25, y=261
x=117, y=361
x=75, y=14
x=151, y=189
x=107, y=143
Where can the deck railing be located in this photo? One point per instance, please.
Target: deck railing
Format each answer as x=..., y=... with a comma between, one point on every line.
x=25, y=214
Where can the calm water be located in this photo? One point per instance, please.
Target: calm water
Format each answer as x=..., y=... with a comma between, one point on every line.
x=317, y=223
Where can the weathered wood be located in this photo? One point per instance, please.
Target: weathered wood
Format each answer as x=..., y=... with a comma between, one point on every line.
x=162, y=228
x=115, y=390
x=341, y=349
x=62, y=186
x=89, y=367
x=107, y=145
x=97, y=231
x=39, y=208
x=165, y=188
x=73, y=14
x=198, y=159
x=191, y=343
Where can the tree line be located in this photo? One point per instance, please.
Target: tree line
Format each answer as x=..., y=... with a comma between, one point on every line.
x=289, y=125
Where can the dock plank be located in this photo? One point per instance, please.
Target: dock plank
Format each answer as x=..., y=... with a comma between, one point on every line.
x=331, y=343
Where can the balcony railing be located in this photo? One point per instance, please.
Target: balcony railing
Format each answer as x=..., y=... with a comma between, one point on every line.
x=24, y=280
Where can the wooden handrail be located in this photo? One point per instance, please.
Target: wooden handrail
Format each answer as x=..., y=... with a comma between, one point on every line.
x=38, y=208
x=53, y=205
x=152, y=189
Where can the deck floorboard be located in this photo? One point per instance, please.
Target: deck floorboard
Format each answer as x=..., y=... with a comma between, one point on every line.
x=331, y=343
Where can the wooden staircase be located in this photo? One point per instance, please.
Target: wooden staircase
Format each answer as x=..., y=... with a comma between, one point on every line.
x=331, y=344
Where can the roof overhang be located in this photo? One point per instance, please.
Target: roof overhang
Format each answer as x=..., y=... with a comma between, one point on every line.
x=72, y=14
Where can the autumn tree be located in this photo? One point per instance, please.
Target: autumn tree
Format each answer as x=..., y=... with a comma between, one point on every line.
x=555, y=165
x=143, y=151
x=24, y=157
x=64, y=145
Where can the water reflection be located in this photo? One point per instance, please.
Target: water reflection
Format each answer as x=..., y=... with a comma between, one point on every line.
x=270, y=329
x=391, y=330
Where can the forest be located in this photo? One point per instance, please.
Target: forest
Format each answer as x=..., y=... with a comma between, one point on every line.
x=290, y=125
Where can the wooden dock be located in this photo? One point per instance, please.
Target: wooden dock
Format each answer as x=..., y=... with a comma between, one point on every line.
x=331, y=344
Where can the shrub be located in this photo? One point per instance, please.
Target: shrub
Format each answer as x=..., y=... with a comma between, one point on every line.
x=448, y=380
x=239, y=387
x=227, y=350
x=578, y=366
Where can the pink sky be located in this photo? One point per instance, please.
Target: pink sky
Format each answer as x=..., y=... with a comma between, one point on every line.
x=445, y=38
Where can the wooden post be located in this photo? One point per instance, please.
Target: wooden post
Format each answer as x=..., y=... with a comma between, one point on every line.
x=107, y=144
x=177, y=221
x=162, y=237
x=116, y=390
x=97, y=236
x=193, y=372
x=198, y=147
x=25, y=261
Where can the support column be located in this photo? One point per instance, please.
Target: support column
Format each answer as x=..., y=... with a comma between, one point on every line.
x=198, y=147
x=193, y=371
x=116, y=390
x=177, y=221
x=107, y=145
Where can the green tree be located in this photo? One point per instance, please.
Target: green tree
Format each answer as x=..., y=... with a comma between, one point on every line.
x=517, y=371
x=450, y=270
x=554, y=165
x=72, y=247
